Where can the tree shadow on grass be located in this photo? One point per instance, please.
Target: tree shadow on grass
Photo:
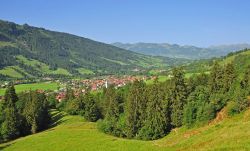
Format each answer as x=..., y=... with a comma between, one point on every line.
x=6, y=145
x=57, y=118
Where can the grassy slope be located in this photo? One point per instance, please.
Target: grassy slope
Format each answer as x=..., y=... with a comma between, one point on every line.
x=230, y=59
x=85, y=71
x=41, y=66
x=33, y=86
x=11, y=72
x=73, y=133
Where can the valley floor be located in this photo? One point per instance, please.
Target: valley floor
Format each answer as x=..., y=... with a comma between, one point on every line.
x=73, y=133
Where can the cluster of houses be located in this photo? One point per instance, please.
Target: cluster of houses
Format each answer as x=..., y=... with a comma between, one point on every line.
x=79, y=87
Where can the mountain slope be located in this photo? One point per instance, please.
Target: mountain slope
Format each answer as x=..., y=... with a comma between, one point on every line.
x=32, y=51
x=240, y=59
x=177, y=51
x=74, y=133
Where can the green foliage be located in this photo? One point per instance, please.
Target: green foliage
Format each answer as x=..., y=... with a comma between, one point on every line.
x=23, y=115
x=9, y=129
x=198, y=110
x=155, y=123
x=135, y=108
x=91, y=110
x=10, y=125
x=112, y=110
x=178, y=96
x=73, y=107
x=36, y=111
x=52, y=102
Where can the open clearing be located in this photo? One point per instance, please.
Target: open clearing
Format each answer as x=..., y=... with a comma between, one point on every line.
x=33, y=86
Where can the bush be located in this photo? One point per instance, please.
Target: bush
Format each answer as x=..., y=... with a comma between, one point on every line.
x=73, y=107
x=117, y=129
x=120, y=130
x=232, y=108
x=205, y=113
x=104, y=126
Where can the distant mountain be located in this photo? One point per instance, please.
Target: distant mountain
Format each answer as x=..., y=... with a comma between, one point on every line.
x=177, y=51
x=28, y=52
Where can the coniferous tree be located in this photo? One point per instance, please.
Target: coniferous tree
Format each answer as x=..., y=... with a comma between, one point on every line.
x=178, y=96
x=91, y=109
x=155, y=123
x=10, y=126
x=216, y=78
x=135, y=108
x=111, y=111
x=36, y=111
x=229, y=77
x=245, y=83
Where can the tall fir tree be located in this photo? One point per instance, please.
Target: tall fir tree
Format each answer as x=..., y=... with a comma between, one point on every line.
x=10, y=126
x=216, y=78
x=245, y=83
x=135, y=108
x=111, y=108
x=178, y=96
x=91, y=109
x=229, y=77
x=155, y=123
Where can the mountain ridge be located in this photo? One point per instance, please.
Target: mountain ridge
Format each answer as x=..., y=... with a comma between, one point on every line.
x=28, y=50
x=181, y=51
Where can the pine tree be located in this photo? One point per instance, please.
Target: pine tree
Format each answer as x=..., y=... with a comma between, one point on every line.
x=36, y=111
x=245, y=83
x=194, y=110
x=229, y=77
x=178, y=96
x=10, y=97
x=111, y=110
x=155, y=123
x=10, y=126
x=135, y=108
x=91, y=110
x=216, y=78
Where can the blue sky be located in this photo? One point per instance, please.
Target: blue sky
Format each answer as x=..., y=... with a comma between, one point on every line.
x=186, y=22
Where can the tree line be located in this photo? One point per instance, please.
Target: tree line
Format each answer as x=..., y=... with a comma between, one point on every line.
x=149, y=112
x=137, y=110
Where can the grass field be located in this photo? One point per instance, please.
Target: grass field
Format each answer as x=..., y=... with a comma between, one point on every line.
x=33, y=86
x=160, y=78
x=11, y=72
x=84, y=71
x=41, y=66
x=73, y=133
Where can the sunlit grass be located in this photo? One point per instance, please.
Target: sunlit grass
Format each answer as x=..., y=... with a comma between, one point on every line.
x=74, y=133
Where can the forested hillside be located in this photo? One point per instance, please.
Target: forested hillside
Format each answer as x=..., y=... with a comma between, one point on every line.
x=28, y=51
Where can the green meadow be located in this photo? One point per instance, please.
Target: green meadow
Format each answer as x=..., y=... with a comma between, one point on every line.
x=74, y=133
x=33, y=86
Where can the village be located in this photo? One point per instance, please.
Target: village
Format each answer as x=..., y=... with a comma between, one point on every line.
x=81, y=86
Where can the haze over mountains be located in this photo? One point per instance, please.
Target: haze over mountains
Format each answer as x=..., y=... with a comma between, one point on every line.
x=178, y=51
